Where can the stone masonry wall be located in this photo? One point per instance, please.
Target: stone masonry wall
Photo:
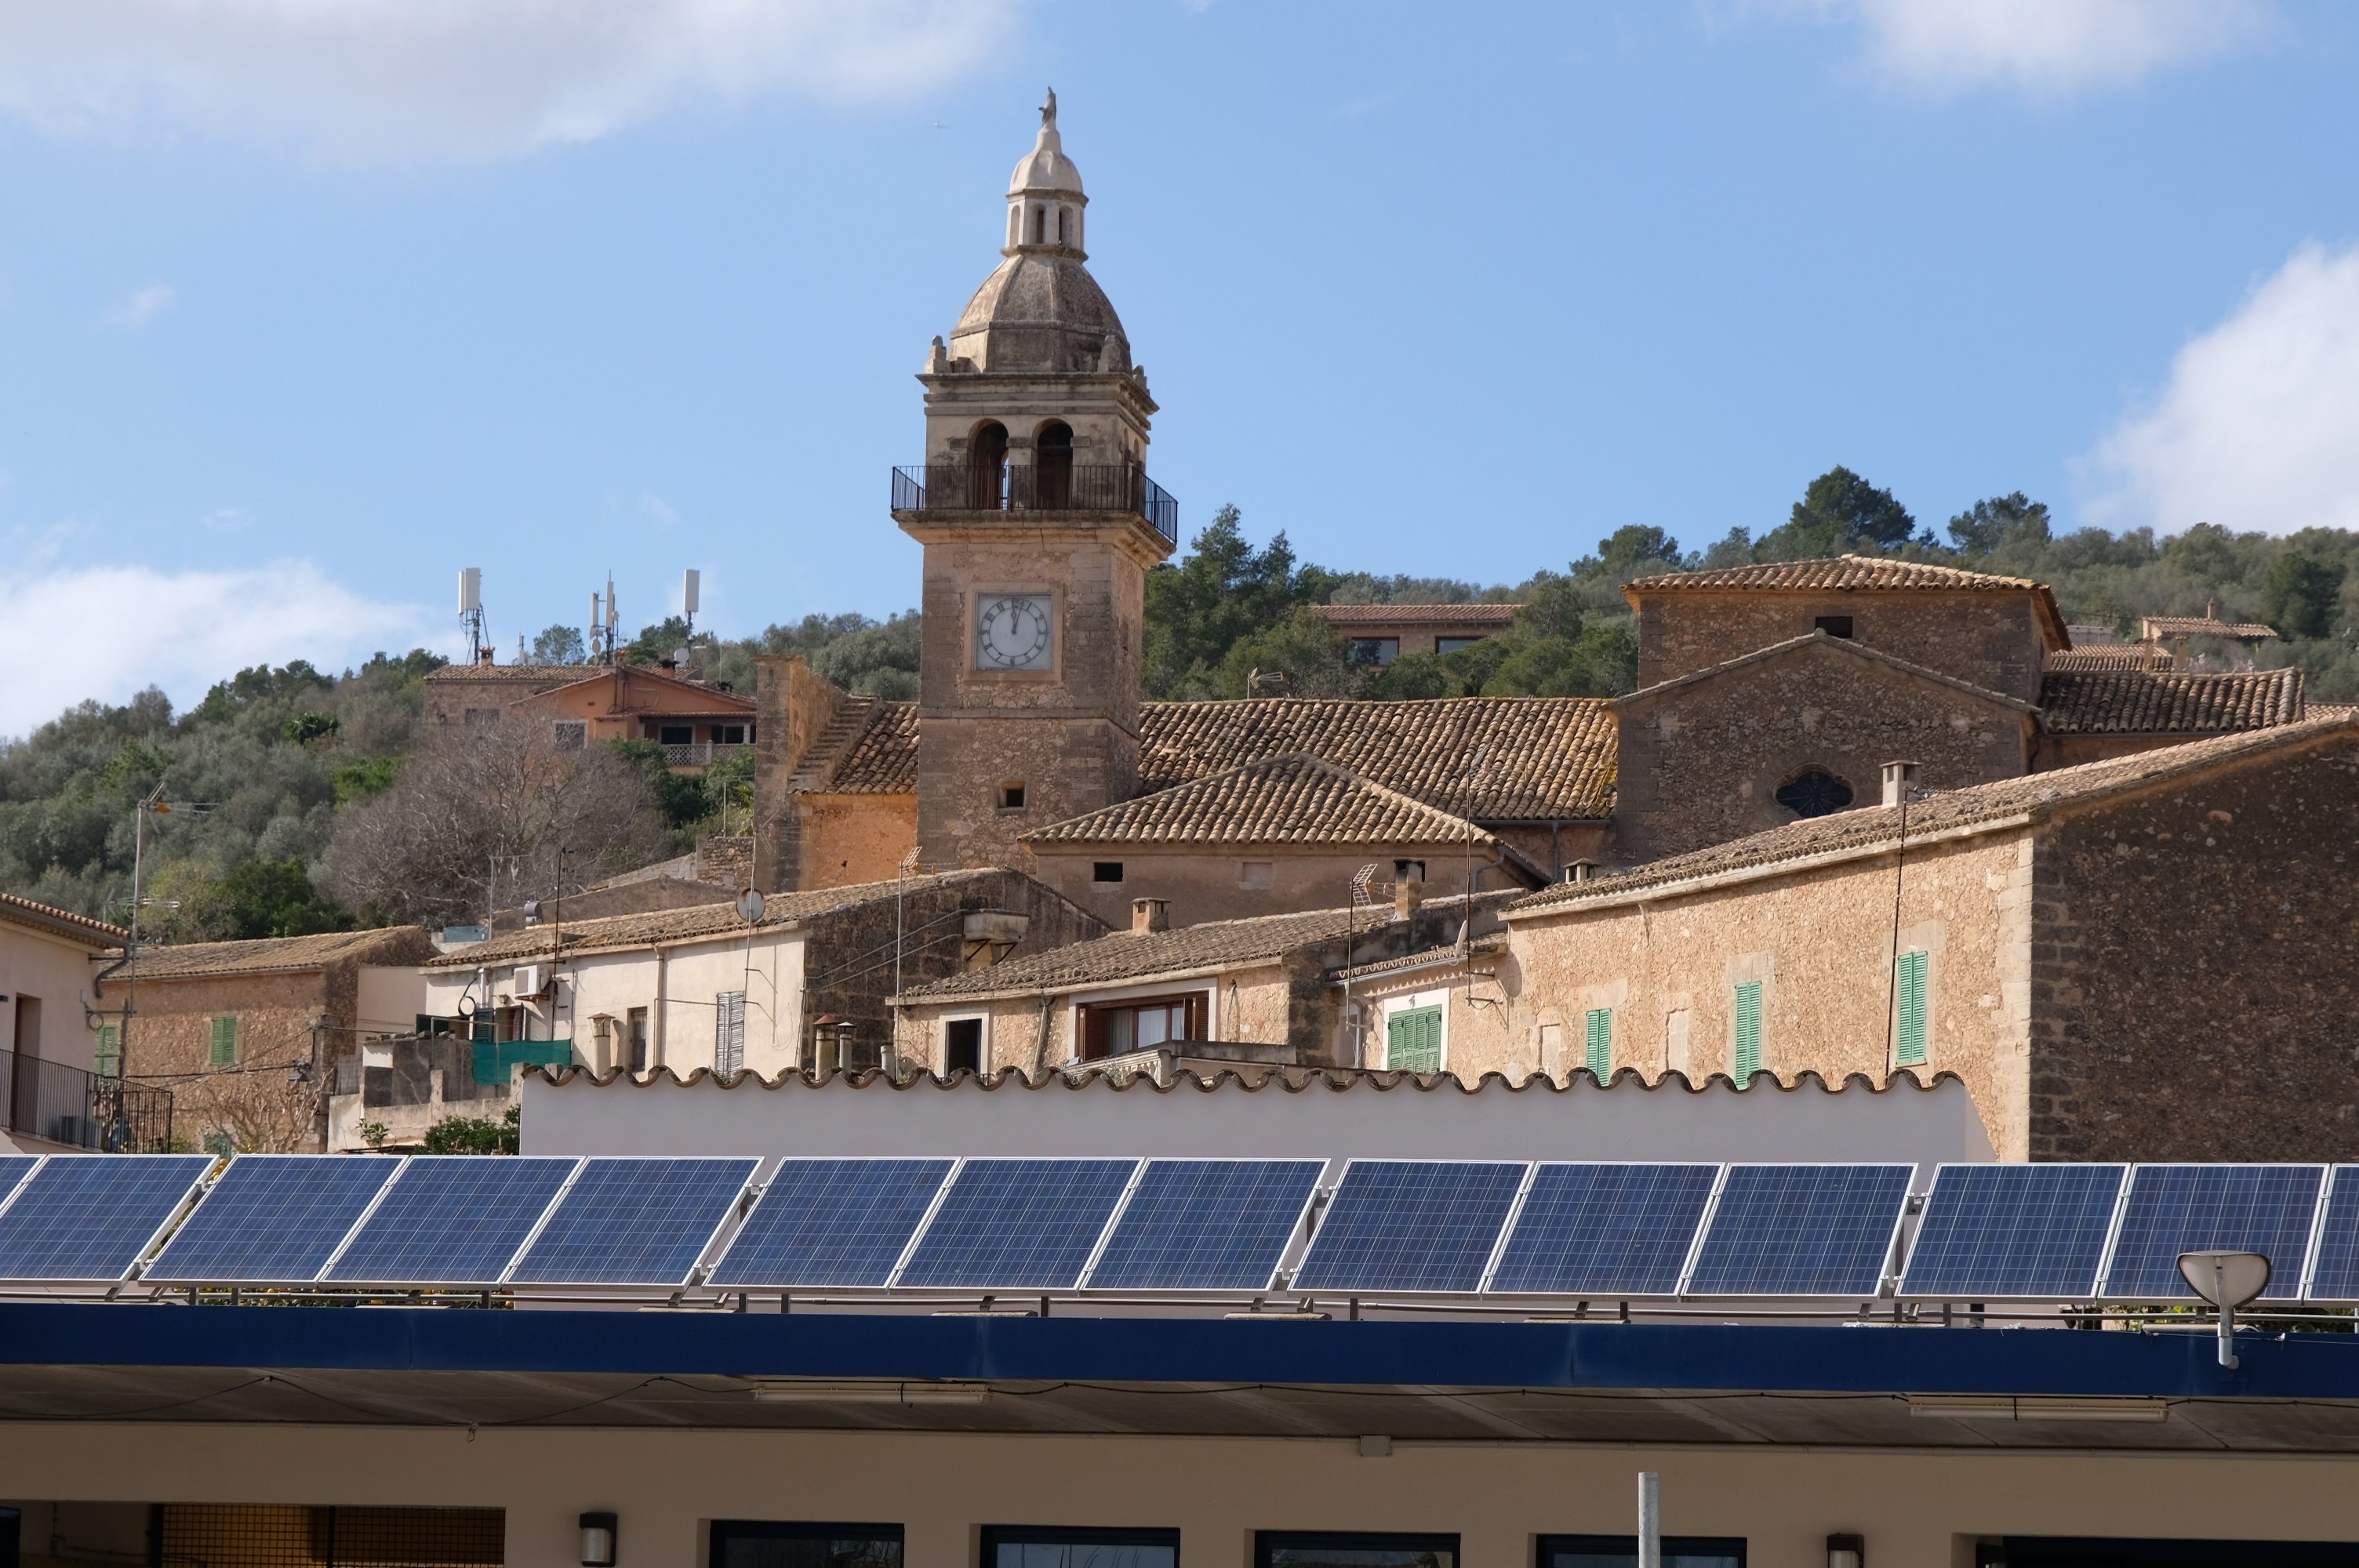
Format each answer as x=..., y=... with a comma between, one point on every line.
x=1990, y=639
x=2194, y=971
x=852, y=838
x=1208, y=882
x=170, y=1042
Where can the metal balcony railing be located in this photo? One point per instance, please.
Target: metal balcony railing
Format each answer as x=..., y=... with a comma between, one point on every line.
x=703, y=753
x=1037, y=487
x=66, y=1105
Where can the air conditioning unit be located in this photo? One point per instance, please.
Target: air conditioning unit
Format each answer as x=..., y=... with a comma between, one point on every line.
x=529, y=980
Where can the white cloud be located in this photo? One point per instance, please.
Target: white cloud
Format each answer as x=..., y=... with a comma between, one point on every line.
x=2045, y=46
x=69, y=633
x=377, y=80
x=2257, y=426
x=144, y=306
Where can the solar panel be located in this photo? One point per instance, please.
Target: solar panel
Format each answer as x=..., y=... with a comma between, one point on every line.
x=2173, y=1209
x=452, y=1219
x=1604, y=1229
x=1801, y=1230
x=2013, y=1232
x=92, y=1217
x=1018, y=1224
x=634, y=1220
x=832, y=1223
x=272, y=1218
x=14, y=1168
x=2335, y=1276
x=1411, y=1225
x=1207, y=1225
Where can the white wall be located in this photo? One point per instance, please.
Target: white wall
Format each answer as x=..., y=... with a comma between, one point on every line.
x=57, y=971
x=390, y=1000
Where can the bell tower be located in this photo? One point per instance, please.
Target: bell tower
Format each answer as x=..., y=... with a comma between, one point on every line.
x=1038, y=523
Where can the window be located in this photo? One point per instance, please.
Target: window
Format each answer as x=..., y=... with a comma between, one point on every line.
x=1814, y=792
x=729, y=1032
x=1306, y=1549
x=482, y=717
x=676, y=734
x=1451, y=644
x=776, y=1543
x=962, y=1044
x=1039, y=225
x=1256, y=873
x=1413, y=1038
x=634, y=1028
x=1011, y=797
x=1745, y=1056
x=1835, y=626
x=223, y=1052
x=1910, y=1013
x=108, y=1053
x=570, y=734
x=1118, y=1028
x=1034, y=1546
x=1600, y=1057
x=1622, y=1551
x=1372, y=650
x=729, y=734
x=1105, y=871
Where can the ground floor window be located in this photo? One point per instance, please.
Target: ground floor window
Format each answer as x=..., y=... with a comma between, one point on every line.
x=255, y=1536
x=1622, y=1551
x=1050, y=1546
x=1323, y=1549
x=781, y=1543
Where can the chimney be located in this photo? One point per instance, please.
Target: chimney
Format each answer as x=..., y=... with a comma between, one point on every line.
x=1581, y=871
x=1409, y=890
x=1899, y=778
x=1148, y=915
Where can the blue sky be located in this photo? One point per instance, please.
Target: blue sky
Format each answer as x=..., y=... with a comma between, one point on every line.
x=303, y=309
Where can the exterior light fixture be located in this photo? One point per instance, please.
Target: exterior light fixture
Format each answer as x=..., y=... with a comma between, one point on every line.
x=2228, y=1281
x=597, y=1540
x=1846, y=1551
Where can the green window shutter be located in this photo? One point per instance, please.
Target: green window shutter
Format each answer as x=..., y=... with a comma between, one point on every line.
x=1748, y=1033
x=110, y=1050
x=1601, y=1043
x=224, y=1047
x=1413, y=1040
x=1911, y=998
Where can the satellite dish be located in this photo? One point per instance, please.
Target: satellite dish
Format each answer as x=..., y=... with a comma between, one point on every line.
x=749, y=907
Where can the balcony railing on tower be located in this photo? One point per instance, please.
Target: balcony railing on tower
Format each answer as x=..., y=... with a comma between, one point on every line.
x=1044, y=487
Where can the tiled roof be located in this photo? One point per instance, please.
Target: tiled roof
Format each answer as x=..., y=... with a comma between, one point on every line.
x=1290, y=799
x=398, y=944
x=1420, y=614
x=2111, y=657
x=2146, y=702
x=2204, y=626
x=1853, y=574
x=1488, y=759
x=883, y=758
x=555, y=675
x=666, y=694
x=1873, y=828
x=56, y=922
x=1483, y=947
x=2329, y=710
x=1129, y=956
x=620, y=931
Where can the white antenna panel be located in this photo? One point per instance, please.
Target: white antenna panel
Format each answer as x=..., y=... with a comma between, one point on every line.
x=471, y=589
x=688, y=591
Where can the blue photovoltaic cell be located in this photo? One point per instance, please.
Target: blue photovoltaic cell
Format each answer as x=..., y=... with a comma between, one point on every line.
x=452, y=1219
x=1207, y=1225
x=14, y=1169
x=1018, y=1224
x=1604, y=1229
x=1411, y=1225
x=91, y=1217
x=2338, y=1240
x=272, y=1218
x=633, y=1221
x=2212, y=1208
x=2018, y=1232
x=839, y=1224
x=1801, y=1230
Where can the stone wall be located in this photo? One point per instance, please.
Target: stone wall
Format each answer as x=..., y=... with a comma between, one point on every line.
x=1700, y=763
x=791, y=706
x=1211, y=881
x=1992, y=640
x=253, y=1104
x=852, y=838
x=2193, y=971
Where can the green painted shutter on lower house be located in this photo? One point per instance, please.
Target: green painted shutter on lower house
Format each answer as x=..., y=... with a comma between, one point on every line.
x=1747, y=1053
x=1909, y=1044
x=1413, y=1040
x=224, y=1044
x=1600, y=1058
x=109, y=1053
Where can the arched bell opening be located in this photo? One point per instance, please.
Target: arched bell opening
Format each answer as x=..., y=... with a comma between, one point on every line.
x=986, y=467
x=1052, y=458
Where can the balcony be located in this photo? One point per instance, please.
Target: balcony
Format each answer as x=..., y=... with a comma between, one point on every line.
x=703, y=753
x=59, y=1104
x=1027, y=487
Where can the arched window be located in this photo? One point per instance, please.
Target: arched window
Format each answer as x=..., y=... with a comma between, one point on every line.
x=1052, y=458
x=987, y=471
x=1814, y=792
x=1039, y=225
x=1064, y=223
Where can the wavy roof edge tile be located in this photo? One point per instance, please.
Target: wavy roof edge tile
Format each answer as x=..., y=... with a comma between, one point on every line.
x=1089, y=1077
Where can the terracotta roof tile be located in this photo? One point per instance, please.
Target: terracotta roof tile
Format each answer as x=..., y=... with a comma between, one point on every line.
x=1853, y=574
x=1296, y=798
x=883, y=758
x=2111, y=657
x=33, y=916
x=556, y=674
x=1420, y=614
x=2206, y=626
x=1875, y=827
x=396, y=944
x=2135, y=702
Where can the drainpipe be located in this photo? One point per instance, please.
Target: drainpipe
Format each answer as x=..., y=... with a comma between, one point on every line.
x=655, y=1031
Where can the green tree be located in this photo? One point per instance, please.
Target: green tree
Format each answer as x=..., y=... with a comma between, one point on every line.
x=1990, y=525
x=1219, y=594
x=276, y=898
x=561, y=645
x=1633, y=550
x=658, y=642
x=2303, y=595
x=1839, y=513
x=306, y=727
x=475, y=1134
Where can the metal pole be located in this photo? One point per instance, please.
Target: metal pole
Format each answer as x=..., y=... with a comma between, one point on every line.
x=1650, y=1519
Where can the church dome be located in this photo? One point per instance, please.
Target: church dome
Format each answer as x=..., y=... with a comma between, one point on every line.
x=1040, y=311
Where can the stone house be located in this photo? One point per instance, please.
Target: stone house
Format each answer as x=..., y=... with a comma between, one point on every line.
x=457, y=696
x=244, y=1035
x=697, y=724
x=1379, y=634
x=2148, y=958
x=51, y=1047
x=1384, y=987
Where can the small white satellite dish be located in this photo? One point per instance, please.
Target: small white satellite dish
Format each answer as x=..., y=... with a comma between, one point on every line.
x=2228, y=1281
x=749, y=906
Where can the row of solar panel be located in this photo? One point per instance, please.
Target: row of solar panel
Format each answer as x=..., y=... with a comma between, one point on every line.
x=1504, y=1228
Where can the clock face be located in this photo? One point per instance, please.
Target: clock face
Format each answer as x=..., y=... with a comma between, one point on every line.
x=1011, y=631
